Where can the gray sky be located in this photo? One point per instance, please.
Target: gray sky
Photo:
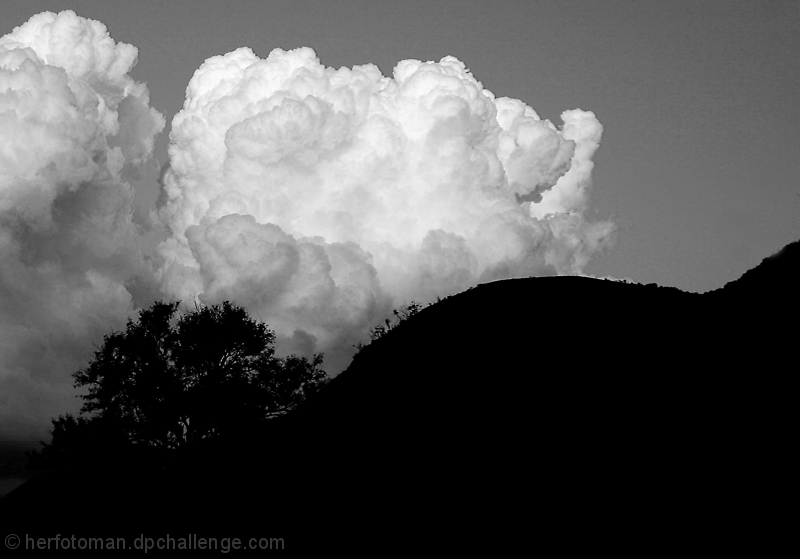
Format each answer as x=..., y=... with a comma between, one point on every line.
x=697, y=167
x=699, y=161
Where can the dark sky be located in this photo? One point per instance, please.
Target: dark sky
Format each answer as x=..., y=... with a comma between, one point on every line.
x=699, y=161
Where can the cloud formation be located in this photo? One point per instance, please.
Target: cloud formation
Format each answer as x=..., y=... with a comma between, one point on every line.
x=318, y=198
x=72, y=125
x=321, y=197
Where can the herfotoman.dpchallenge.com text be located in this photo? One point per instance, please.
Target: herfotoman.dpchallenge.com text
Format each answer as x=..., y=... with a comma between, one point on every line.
x=189, y=542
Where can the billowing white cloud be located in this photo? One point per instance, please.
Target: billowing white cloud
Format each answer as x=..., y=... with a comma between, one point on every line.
x=73, y=124
x=320, y=197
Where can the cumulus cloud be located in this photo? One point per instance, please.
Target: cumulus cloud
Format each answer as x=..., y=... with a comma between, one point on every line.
x=73, y=126
x=321, y=197
x=318, y=198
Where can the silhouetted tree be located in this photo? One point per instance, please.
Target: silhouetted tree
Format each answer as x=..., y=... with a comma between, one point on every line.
x=76, y=441
x=166, y=381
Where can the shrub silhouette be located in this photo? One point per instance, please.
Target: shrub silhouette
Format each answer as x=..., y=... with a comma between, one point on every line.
x=166, y=382
x=401, y=315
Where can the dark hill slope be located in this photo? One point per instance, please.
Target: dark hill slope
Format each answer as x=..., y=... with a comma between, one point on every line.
x=558, y=409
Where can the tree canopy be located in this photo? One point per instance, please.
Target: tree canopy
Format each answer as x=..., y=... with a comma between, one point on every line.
x=168, y=380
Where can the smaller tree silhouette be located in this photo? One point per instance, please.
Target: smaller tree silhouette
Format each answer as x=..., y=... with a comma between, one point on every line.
x=401, y=315
x=167, y=381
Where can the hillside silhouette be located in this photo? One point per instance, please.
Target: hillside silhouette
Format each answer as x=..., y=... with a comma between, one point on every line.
x=567, y=411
